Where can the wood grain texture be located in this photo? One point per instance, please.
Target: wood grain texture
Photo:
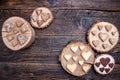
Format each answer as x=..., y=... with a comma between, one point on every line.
x=72, y=19
x=110, y=5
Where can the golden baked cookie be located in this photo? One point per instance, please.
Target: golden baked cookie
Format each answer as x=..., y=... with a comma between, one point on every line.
x=77, y=58
x=41, y=17
x=103, y=36
x=17, y=33
x=104, y=64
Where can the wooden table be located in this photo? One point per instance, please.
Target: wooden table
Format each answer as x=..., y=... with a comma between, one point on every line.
x=72, y=19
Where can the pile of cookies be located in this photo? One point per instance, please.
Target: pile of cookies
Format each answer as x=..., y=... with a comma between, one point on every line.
x=77, y=57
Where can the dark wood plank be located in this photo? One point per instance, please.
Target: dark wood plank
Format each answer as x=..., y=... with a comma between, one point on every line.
x=72, y=19
x=62, y=4
x=28, y=71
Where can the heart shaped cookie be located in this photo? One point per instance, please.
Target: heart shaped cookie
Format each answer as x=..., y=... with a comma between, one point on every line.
x=105, y=61
x=74, y=48
x=95, y=43
x=19, y=23
x=75, y=58
x=71, y=67
x=40, y=22
x=10, y=38
x=113, y=33
x=15, y=43
x=111, y=65
x=81, y=62
x=100, y=27
x=86, y=67
x=108, y=27
x=94, y=33
x=105, y=46
x=86, y=55
x=107, y=70
x=34, y=18
x=103, y=36
x=45, y=16
x=23, y=30
x=101, y=69
x=8, y=27
x=112, y=40
x=67, y=57
x=38, y=11
x=22, y=39
x=81, y=47
x=97, y=64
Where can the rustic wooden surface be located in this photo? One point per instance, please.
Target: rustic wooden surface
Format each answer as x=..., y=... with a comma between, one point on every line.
x=72, y=19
